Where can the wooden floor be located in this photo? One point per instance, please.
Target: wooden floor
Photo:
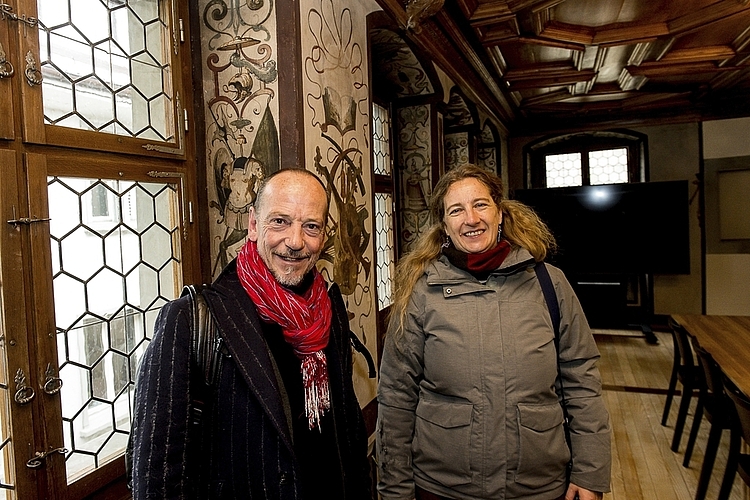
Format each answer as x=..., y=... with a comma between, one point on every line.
x=635, y=377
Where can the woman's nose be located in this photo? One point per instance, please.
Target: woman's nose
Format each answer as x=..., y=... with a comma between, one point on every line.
x=472, y=217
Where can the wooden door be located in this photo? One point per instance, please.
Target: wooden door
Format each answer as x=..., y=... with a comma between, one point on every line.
x=98, y=181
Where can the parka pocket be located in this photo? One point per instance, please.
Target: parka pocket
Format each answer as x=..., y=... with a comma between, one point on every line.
x=442, y=439
x=543, y=454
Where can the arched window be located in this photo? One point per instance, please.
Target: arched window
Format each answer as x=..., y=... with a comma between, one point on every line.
x=588, y=158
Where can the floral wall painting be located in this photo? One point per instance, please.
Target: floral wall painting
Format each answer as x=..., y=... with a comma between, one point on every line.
x=415, y=170
x=240, y=80
x=337, y=101
x=337, y=148
x=487, y=149
x=400, y=74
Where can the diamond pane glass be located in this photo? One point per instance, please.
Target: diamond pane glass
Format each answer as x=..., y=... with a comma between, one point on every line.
x=384, y=248
x=563, y=170
x=609, y=166
x=91, y=49
x=116, y=266
x=381, y=125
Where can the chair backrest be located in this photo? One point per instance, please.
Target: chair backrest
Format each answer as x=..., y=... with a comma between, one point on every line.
x=742, y=405
x=682, y=343
x=713, y=375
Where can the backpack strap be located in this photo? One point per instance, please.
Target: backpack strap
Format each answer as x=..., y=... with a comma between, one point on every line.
x=548, y=289
x=206, y=348
x=360, y=348
x=550, y=297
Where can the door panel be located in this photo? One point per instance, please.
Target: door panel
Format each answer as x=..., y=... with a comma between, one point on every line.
x=8, y=65
x=102, y=74
x=96, y=183
x=116, y=260
x=16, y=416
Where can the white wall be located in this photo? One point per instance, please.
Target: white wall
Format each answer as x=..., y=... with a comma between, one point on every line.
x=727, y=274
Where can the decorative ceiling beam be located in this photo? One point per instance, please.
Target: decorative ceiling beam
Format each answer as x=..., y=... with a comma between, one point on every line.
x=548, y=79
x=661, y=69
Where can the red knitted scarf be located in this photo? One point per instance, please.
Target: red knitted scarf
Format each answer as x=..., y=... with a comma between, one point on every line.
x=305, y=321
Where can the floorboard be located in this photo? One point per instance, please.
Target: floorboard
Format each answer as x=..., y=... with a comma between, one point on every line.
x=635, y=376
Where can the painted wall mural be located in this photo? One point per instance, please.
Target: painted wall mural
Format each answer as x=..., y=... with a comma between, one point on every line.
x=337, y=147
x=240, y=79
x=415, y=170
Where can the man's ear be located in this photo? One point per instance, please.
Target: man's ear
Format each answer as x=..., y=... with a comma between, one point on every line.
x=252, y=225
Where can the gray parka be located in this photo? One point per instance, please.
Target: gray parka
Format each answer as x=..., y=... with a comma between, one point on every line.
x=467, y=401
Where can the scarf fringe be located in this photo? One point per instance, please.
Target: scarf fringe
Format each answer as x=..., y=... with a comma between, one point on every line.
x=315, y=380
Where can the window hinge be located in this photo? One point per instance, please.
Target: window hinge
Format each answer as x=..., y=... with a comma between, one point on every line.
x=186, y=119
x=182, y=31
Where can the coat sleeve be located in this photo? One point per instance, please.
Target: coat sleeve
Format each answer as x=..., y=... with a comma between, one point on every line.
x=590, y=431
x=160, y=420
x=401, y=371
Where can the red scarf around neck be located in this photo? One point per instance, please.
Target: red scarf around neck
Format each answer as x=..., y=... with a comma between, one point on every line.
x=305, y=322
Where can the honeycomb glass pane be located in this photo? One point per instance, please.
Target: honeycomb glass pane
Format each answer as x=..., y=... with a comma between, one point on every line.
x=142, y=286
x=67, y=216
x=57, y=94
x=91, y=49
x=114, y=259
x=384, y=248
x=94, y=102
x=90, y=16
x=609, y=166
x=81, y=254
x=381, y=125
x=563, y=170
x=122, y=250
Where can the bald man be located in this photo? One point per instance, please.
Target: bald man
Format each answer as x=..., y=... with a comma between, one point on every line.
x=279, y=418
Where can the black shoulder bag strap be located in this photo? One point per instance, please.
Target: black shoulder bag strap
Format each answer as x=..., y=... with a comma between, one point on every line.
x=548, y=289
x=206, y=348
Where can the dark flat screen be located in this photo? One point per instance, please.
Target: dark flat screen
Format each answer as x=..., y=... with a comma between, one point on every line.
x=617, y=228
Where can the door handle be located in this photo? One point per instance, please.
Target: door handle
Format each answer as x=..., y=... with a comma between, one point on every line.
x=24, y=393
x=6, y=68
x=40, y=456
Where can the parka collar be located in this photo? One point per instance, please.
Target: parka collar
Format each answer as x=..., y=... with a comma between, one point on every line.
x=441, y=271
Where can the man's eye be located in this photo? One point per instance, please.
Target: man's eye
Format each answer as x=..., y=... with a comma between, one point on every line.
x=278, y=222
x=313, y=229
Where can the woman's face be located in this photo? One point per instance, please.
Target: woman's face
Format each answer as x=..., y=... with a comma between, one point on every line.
x=471, y=216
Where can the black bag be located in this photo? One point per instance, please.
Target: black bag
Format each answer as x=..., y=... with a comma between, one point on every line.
x=206, y=347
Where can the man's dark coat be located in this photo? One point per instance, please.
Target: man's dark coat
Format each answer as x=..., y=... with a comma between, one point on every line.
x=246, y=449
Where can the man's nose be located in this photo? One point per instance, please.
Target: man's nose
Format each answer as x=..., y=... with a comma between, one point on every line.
x=295, y=239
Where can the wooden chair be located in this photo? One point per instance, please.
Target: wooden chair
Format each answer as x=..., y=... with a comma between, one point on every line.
x=714, y=403
x=737, y=463
x=684, y=370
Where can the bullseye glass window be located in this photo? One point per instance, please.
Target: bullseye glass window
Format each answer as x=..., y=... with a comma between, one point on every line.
x=115, y=262
x=105, y=66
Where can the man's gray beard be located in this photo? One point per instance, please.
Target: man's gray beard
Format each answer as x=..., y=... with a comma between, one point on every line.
x=287, y=280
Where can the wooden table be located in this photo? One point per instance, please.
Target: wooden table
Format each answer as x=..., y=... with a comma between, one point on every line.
x=727, y=338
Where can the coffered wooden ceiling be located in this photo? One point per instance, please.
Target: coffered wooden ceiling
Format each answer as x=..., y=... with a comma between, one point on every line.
x=567, y=63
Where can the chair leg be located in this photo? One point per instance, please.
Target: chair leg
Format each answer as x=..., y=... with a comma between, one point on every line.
x=687, y=394
x=697, y=418
x=670, y=395
x=714, y=436
x=732, y=460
